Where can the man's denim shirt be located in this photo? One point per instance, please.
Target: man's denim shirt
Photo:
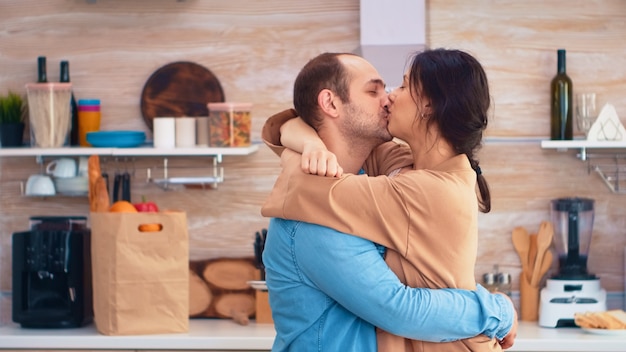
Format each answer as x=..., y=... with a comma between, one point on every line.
x=329, y=290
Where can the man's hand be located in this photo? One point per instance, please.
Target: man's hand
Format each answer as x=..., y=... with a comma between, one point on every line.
x=509, y=339
x=317, y=160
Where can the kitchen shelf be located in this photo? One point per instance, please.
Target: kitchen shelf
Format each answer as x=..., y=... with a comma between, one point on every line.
x=146, y=150
x=583, y=145
x=608, y=159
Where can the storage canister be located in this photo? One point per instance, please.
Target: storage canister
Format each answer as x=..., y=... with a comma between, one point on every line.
x=229, y=124
x=49, y=113
x=88, y=119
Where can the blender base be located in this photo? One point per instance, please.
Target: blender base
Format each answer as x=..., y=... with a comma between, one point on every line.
x=561, y=299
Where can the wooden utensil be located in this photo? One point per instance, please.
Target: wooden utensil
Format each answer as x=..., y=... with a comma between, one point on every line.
x=532, y=253
x=521, y=242
x=539, y=272
x=544, y=239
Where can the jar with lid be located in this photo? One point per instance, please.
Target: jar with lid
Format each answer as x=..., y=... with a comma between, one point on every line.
x=88, y=119
x=503, y=283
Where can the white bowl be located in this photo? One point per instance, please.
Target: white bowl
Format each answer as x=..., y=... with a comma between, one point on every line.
x=72, y=185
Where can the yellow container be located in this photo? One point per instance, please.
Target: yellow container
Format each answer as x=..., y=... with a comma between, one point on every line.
x=229, y=124
x=88, y=119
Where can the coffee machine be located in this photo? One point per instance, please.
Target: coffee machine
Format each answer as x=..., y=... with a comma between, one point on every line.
x=573, y=289
x=52, y=273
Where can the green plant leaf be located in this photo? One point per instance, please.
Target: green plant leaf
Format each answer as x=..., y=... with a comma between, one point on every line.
x=12, y=108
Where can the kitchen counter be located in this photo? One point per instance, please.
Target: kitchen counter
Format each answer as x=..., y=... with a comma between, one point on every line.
x=204, y=334
x=217, y=334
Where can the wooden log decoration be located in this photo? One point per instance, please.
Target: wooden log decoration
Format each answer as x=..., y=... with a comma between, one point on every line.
x=238, y=306
x=230, y=274
x=200, y=295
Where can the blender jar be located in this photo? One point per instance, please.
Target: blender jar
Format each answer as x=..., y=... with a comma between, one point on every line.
x=572, y=219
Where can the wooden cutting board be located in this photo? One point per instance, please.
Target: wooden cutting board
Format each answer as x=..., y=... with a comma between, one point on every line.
x=179, y=89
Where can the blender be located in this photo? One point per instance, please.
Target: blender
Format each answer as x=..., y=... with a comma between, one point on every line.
x=573, y=289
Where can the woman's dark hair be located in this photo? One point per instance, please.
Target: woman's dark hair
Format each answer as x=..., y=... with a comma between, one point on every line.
x=456, y=85
x=325, y=71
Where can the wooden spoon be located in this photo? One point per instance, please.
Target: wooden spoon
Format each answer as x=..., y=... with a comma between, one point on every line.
x=546, y=263
x=544, y=239
x=532, y=253
x=521, y=242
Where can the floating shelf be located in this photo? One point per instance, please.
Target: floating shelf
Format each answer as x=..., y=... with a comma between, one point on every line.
x=146, y=150
x=216, y=175
x=609, y=162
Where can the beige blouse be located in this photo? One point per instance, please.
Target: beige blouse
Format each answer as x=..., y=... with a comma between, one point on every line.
x=426, y=218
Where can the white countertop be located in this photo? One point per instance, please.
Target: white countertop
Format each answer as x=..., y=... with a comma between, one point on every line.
x=204, y=334
x=217, y=334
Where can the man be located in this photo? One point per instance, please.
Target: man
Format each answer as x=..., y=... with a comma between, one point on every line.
x=328, y=291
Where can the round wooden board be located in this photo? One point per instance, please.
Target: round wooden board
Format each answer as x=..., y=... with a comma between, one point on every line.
x=179, y=89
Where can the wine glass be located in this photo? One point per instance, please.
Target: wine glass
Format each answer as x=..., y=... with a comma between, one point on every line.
x=586, y=113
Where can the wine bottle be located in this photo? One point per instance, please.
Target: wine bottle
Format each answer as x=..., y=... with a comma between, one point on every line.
x=42, y=75
x=561, y=126
x=65, y=78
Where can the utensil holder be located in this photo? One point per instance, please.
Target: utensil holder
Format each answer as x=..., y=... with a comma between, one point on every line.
x=529, y=300
x=263, y=311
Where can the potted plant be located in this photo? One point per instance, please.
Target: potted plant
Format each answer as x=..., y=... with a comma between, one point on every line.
x=12, y=113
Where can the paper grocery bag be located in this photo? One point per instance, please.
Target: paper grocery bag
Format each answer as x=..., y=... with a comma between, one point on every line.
x=140, y=279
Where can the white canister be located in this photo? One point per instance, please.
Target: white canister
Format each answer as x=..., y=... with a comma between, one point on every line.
x=164, y=130
x=185, y=132
x=202, y=131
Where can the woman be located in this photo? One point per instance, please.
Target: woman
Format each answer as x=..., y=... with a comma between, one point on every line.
x=425, y=216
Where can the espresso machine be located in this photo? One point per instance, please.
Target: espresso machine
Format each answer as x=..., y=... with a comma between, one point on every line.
x=573, y=289
x=52, y=273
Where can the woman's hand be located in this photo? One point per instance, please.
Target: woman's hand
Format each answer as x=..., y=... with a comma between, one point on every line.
x=317, y=160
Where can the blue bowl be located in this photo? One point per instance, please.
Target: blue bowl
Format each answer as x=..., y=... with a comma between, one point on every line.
x=116, y=139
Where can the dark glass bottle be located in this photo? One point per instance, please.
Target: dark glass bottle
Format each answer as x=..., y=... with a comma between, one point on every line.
x=42, y=75
x=65, y=78
x=561, y=124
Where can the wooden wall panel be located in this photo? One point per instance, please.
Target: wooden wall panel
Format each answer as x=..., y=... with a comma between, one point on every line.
x=256, y=50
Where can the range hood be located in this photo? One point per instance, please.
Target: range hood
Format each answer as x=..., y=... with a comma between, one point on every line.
x=391, y=31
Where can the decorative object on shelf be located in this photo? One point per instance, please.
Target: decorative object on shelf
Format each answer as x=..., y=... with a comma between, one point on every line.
x=561, y=90
x=607, y=126
x=179, y=89
x=12, y=113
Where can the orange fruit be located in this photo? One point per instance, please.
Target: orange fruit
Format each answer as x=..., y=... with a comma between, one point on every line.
x=122, y=206
x=150, y=227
